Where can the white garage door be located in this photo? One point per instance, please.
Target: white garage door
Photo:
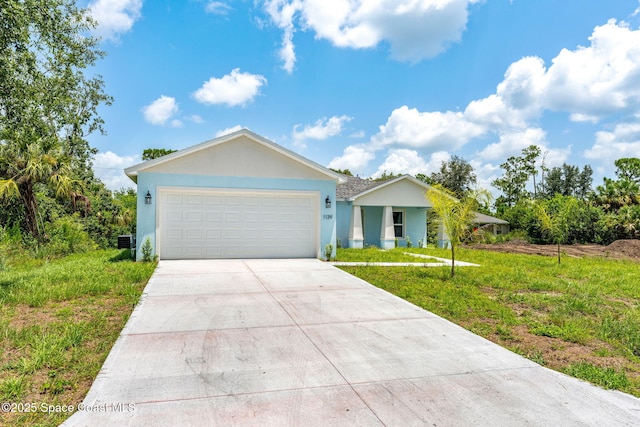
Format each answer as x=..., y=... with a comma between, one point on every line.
x=237, y=224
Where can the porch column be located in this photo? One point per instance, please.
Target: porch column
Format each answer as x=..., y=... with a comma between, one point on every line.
x=426, y=228
x=356, y=235
x=387, y=232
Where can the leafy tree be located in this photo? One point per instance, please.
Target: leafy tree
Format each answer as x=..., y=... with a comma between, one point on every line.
x=567, y=180
x=456, y=216
x=154, y=153
x=585, y=179
x=47, y=105
x=556, y=223
x=513, y=183
x=455, y=174
x=628, y=169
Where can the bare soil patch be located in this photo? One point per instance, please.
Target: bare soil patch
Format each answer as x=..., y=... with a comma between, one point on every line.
x=620, y=249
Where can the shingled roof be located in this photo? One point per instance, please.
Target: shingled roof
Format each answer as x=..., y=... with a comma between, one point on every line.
x=354, y=185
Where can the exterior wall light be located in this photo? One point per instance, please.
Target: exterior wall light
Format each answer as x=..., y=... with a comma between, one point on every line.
x=327, y=202
x=147, y=198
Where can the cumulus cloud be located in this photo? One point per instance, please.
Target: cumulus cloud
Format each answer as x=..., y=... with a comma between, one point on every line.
x=356, y=158
x=322, y=129
x=114, y=17
x=623, y=141
x=413, y=29
x=599, y=79
x=233, y=89
x=410, y=127
x=402, y=161
x=109, y=168
x=587, y=83
x=161, y=111
x=511, y=144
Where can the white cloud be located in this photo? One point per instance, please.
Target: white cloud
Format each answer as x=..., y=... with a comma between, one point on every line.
x=322, y=129
x=233, y=89
x=623, y=141
x=355, y=158
x=217, y=8
x=109, y=168
x=402, y=161
x=511, y=144
x=114, y=17
x=599, y=79
x=413, y=29
x=160, y=111
x=227, y=131
x=282, y=14
x=410, y=127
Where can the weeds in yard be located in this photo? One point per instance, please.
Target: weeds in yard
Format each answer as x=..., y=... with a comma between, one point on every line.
x=58, y=321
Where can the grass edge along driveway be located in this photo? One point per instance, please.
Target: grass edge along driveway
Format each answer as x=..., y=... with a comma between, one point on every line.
x=58, y=322
x=581, y=317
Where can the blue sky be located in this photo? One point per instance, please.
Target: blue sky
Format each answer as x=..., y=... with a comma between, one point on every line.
x=374, y=85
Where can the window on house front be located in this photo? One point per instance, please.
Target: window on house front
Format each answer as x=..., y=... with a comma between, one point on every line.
x=398, y=224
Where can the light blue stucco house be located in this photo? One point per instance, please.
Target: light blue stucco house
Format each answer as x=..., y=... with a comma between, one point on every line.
x=243, y=196
x=237, y=196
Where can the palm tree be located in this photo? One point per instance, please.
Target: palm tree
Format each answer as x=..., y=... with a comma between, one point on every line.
x=456, y=216
x=24, y=166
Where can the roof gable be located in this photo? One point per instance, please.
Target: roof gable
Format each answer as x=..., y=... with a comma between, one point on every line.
x=242, y=153
x=401, y=191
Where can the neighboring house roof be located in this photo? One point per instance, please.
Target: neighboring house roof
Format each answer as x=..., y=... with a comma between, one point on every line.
x=486, y=219
x=132, y=172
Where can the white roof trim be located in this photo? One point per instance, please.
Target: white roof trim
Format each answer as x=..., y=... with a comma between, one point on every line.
x=390, y=182
x=132, y=171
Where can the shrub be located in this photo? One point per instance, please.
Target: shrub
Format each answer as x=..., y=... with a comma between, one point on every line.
x=328, y=250
x=66, y=236
x=147, y=250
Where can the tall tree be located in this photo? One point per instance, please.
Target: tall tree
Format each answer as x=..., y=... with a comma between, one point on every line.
x=567, y=180
x=529, y=158
x=47, y=104
x=456, y=175
x=514, y=181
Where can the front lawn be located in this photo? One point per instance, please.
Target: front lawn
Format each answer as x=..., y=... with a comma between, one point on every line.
x=581, y=317
x=58, y=321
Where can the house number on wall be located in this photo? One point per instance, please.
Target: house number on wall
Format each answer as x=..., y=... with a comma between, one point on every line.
x=327, y=216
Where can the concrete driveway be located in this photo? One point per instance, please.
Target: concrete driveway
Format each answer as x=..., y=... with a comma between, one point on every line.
x=300, y=342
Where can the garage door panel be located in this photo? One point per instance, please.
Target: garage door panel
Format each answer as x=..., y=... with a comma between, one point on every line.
x=193, y=200
x=214, y=224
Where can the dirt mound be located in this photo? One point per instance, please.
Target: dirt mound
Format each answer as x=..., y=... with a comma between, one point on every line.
x=620, y=249
x=625, y=248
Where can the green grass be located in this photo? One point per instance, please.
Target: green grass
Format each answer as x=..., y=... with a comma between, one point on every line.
x=373, y=254
x=58, y=321
x=581, y=317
